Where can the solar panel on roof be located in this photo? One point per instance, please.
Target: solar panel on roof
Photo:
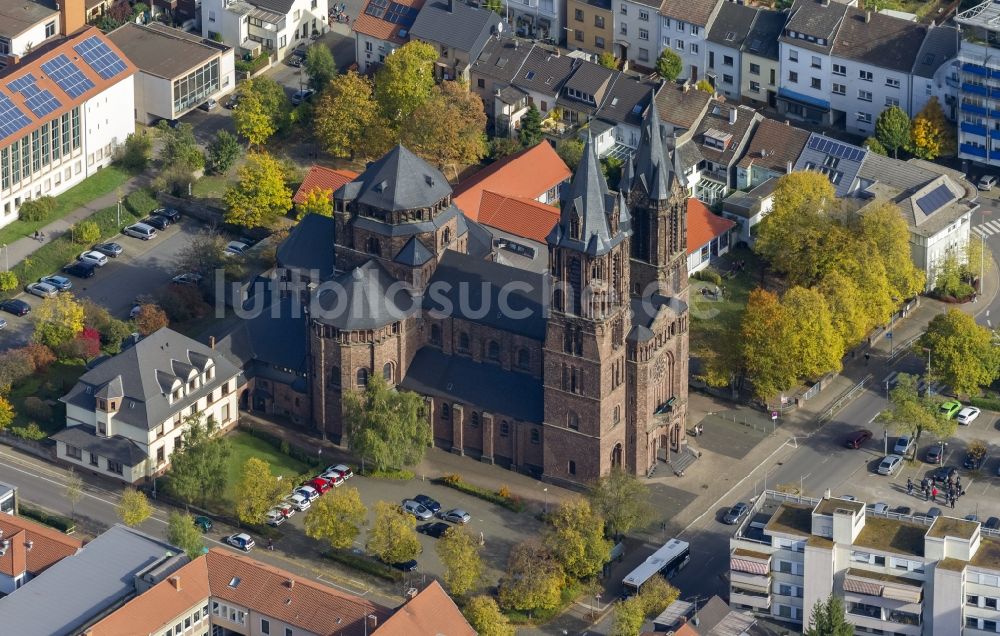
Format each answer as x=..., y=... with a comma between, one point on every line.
x=935, y=200
x=376, y=8
x=40, y=102
x=12, y=119
x=67, y=75
x=18, y=85
x=841, y=151
x=100, y=57
x=401, y=14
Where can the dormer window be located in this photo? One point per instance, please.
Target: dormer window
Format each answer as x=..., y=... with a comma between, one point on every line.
x=574, y=226
x=192, y=385
x=210, y=373
x=178, y=393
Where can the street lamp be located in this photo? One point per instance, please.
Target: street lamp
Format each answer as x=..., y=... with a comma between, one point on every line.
x=6, y=264
x=927, y=375
x=545, y=504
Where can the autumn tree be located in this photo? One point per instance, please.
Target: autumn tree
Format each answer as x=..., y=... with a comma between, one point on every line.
x=319, y=66
x=962, y=352
x=608, y=60
x=223, y=151
x=256, y=491
x=828, y=619
x=459, y=553
x=448, y=127
x=86, y=232
x=657, y=595
x=706, y=86
x=134, y=508
x=405, y=81
x=576, y=540
x=7, y=413
x=533, y=580
x=386, y=427
x=892, y=129
x=882, y=225
x=199, y=464
x=485, y=617
x=8, y=281
x=337, y=518
x=764, y=343
x=932, y=135
x=150, y=319
x=317, y=201
x=263, y=110
x=851, y=320
x=875, y=146
x=182, y=533
x=669, y=65
x=912, y=414
x=345, y=115
x=58, y=320
x=203, y=254
x=622, y=501
x=531, y=127
x=260, y=196
x=393, y=538
x=629, y=617
x=813, y=347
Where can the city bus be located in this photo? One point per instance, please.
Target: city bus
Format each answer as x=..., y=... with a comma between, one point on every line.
x=667, y=561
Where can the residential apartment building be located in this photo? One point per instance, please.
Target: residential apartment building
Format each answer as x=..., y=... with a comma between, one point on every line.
x=542, y=20
x=637, y=28
x=773, y=151
x=724, y=46
x=684, y=27
x=591, y=26
x=760, y=68
x=718, y=143
x=979, y=90
x=378, y=32
x=896, y=574
x=253, y=27
x=178, y=71
x=67, y=108
x=27, y=549
x=936, y=71
x=126, y=416
x=458, y=31
x=26, y=25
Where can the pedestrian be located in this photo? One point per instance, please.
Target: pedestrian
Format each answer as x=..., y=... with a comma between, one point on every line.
x=868, y=357
x=952, y=502
x=934, y=492
x=909, y=486
x=270, y=544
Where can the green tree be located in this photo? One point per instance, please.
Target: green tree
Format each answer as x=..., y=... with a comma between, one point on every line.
x=705, y=85
x=392, y=537
x=892, y=129
x=669, y=65
x=496, y=6
x=962, y=352
x=629, y=616
x=405, y=81
x=345, y=114
x=8, y=281
x=570, y=151
x=260, y=196
x=179, y=148
x=86, y=232
x=576, y=539
x=876, y=146
x=764, y=343
x=337, y=518
x=501, y=147
x=223, y=152
x=533, y=580
x=253, y=121
x=828, y=619
x=58, y=320
x=912, y=414
x=485, y=617
x=199, y=467
x=133, y=155
x=657, y=595
x=134, y=508
x=182, y=533
x=319, y=66
x=73, y=491
x=203, y=254
x=448, y=127
x=386, y=427
x=256, y=491
x=7, y=413
x=459, y=553
x=608, y=60
x=40, y=209
x=622, y=500
x=317, y=201
x=531, y=127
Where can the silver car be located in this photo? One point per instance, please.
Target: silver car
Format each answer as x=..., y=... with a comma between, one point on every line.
x=889, y=464
x=417, y=509
x=456, y=515
x=42, y=290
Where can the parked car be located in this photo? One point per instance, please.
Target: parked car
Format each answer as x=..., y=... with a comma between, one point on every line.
x=935, y=454
x=880, y=508
x=286, y=508
x=993, y=523
x=140, y=231
x=300, y=501
x=949, y=409
x=436, y=529
x=294, y=60
x=94, y=257
x=335, y=479
x=243, y=541
x=857, y=438
x=42, y=290
x=456, y=515
x=889, y=464
x=186, y=279
x=967, y=415
x=208, y=105
x=903, y=445
x=302, y=95
x=406, y=566
x=203, y=523
x=429, y=503
x=16, y=307
x=344, y=470
x=80, y=269
x=171, y=214
x=235, y=248
x=417, y=510
x=59, y=282
x=308, y=492
x=973, y=461
x=734, y=514
x=986, y=182
x=274, y=518
x=157, y=221
x=934, y=513
x=943, y=474
x=902, y=510
x=3, y=323
x=319, y=484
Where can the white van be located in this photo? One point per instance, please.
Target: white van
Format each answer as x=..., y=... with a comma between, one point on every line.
x=140, y=231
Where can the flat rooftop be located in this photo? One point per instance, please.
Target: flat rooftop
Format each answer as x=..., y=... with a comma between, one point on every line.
x=162, y=51
x=888, y=535
x=791, y=518
x=17, y=16
x=952, y=527
x=831, y=505
x=988, y=554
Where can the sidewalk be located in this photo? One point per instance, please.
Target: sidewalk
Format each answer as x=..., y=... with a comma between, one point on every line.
x=25, y=247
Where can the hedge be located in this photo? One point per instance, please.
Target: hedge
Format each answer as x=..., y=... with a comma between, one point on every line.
x=365, y=564
x=282, y=446
x=456, y=482
x=63, y=524
x=988, y=403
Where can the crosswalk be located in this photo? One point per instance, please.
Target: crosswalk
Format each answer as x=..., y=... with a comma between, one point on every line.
x=891, y=381
x=987, y=229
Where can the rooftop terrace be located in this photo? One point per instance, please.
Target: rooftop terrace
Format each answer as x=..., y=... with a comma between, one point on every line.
x=888, y=535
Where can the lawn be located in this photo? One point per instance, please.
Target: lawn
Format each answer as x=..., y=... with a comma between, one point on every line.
x=211, y=187
x=713, y=321
x=49, y=386
x=246, y=446
x=105, y=181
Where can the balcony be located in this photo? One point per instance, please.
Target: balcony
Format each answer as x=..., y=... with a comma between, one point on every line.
x=995, y=155
x=750, y=581
x=973, y=129
x=972, y=108
x=975, y=151
x=751, y=598
x=975, y=69
x=975, y=89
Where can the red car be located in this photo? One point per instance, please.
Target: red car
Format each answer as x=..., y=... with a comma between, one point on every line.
x=858, y=438
x=321, y=485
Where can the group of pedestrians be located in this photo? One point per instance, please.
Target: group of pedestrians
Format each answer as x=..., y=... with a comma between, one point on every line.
x=950, y=491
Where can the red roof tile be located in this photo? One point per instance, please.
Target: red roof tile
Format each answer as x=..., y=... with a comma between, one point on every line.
x=382, y=29
x=325, y=178
x=529, y=173
x=703, y=225
x=430, y=612
x=518, y=215
x=48, y=546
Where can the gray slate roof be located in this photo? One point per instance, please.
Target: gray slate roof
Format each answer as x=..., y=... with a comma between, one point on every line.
x=162, y=51
x=276, y=336
x=409, y=229
x=717, y=118
x=652, y=167
x=489, y=386
x=79, y=589
x=810, y=17
x=281, y=7
x=119, y=448
x=400, y=180
x=501, y=58
x=310, y=246
x=940, y=45
x=367, y=297
x=145, y=371
x=545, y=71
x=413, y=254
x=762, y=40
x=480, y=242
x=883, y=41
x=455, y=24
x=732, y=24
x=460, y=282
x=645, y=312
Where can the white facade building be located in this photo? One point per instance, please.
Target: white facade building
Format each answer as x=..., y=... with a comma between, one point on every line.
x=271, y=26
x=637, y=31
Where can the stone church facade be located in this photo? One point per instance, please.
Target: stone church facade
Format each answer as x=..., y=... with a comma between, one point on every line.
x=563, y=375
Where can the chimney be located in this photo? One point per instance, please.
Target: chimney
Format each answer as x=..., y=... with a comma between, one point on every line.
x=687, y=85
x=290, y=584
x=372, y=622
x=176, y=582
x=732, y=116
x=825, y=3
x=29, y=545
x=72, y=14
x=211, y=342
x=451, y=6
x=411, y=593
x=788, y=123
x=868, y=17
x=788, y=167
